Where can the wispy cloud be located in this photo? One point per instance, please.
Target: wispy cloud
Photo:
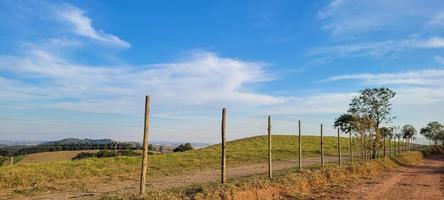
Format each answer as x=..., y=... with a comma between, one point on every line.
x=428, y=77
x=202, y=78
x=378, y=48
x=348, y=17
x=82, y=25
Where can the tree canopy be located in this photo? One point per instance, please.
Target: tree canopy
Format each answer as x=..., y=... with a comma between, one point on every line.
x=374, y=103
x=408, y=131
x=433, y=131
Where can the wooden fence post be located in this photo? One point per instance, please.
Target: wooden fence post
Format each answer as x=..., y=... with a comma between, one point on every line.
x=339, y=149
x=270, y=169
x=351, y=149
x=362, y=157
x=390, y=147
x=322, y=147
x=12, y=160
x=300, y=145
x=145, y=145
x=223, y=162
x=384, y=146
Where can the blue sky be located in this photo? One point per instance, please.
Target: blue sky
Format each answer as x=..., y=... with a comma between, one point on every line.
x=82, y=68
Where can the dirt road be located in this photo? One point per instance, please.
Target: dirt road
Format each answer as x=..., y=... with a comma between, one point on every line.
x=423, y=181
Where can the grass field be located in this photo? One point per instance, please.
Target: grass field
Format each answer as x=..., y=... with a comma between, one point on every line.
x=80, y=175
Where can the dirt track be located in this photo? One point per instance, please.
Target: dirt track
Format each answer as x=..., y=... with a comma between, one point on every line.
x=423, y=181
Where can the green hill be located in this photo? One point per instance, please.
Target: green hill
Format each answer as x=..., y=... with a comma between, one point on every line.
x=64, y=175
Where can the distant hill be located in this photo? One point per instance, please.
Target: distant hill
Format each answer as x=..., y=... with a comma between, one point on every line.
x=76, y=141
x=19, y=142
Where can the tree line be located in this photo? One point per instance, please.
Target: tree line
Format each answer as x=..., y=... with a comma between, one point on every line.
x=24, y=150
x=369, y=118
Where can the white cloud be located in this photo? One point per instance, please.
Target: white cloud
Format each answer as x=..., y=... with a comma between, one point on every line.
x=378, y=48
x=435, y=42
x=82, y=25
x=420, y=87
x=349, y=17
x=428, y=77
x=204, y=78
x=437, y=20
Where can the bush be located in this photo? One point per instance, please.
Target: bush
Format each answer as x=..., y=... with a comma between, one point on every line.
x=84, y=155
x=131, y=153
x=183, y=147
x=106, y=154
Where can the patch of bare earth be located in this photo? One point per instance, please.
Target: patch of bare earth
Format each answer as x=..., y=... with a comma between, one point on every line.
x=422, y=181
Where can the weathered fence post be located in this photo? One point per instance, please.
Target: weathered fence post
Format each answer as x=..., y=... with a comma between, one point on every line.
x=223, y=162
x=270, y=169
x=322, y=147
x=300, y=145
x=362, y=148
x=339, y=149
x=351, y=149
x=390, y=147
x=12, y=160
x=384, y=147
x=145, y=145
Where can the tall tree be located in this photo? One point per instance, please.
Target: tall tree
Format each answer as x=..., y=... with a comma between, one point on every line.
x=433, y=131
x=375, y=104
x=354, y=123
x=386, y=132
x=408, y=131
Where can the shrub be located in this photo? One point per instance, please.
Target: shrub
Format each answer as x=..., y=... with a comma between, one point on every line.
x=183, y=147
x=106, y=154
x=84, y=155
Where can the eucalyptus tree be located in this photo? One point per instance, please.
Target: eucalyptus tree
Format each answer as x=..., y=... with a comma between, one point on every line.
x=386, y=132
x=433, y=131
x=408, y=131
x=375, y=104
x=361, y=126
x=346, y=124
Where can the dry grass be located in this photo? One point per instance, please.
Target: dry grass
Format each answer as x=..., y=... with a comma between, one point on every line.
x=52, y=156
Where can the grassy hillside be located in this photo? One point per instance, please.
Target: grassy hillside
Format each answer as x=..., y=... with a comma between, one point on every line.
x=82, y=174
